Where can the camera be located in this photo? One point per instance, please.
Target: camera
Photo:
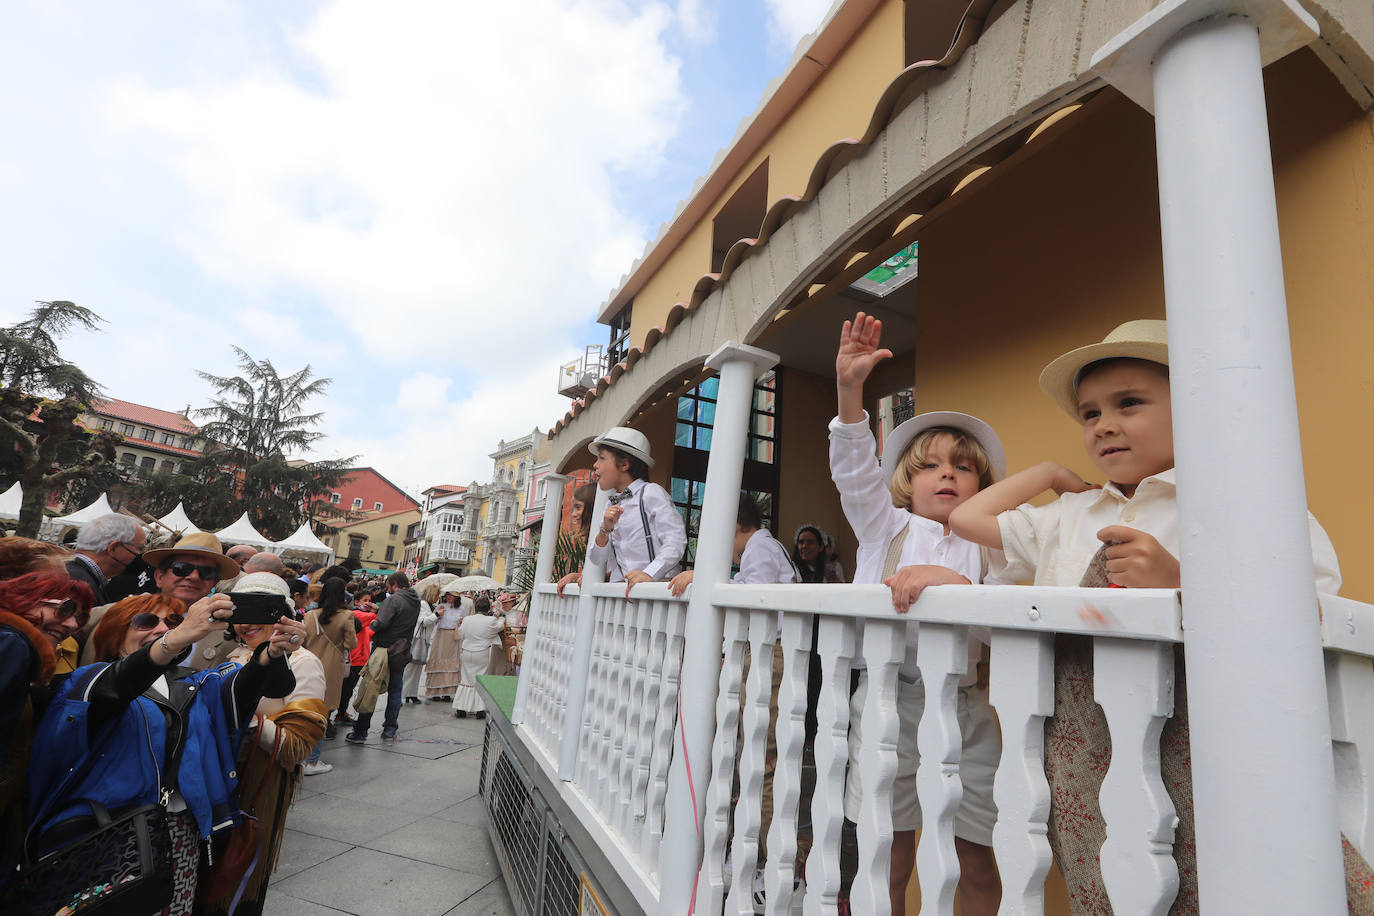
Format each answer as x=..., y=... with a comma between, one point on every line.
x=260, y=610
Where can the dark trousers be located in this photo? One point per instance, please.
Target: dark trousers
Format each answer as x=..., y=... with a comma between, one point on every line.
x=395, y=689
x=349, y=683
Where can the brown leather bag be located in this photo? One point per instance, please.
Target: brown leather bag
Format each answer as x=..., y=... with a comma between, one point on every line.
x=234, y=856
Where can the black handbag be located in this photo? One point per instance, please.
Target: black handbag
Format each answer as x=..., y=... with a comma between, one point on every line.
x=104, y=864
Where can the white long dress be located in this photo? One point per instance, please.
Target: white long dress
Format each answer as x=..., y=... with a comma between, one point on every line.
x=478, y=634
x=424, y=633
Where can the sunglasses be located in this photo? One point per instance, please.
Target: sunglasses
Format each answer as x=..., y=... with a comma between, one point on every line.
x=147, y=621
x=184, y=568
x=62, y=608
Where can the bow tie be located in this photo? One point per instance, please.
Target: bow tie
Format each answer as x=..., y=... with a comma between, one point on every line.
x=616, y=499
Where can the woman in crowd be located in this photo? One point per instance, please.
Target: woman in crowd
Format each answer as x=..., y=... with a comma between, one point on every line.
x=286, y=730
x=330, y=637
x=580, y=513
x=139, y=702
x=813, y=553
x=442, y=666
x=37, y=612
x=421, y=642
x=478, y=634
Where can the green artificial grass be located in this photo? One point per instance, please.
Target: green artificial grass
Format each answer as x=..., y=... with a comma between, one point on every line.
x=502, y=690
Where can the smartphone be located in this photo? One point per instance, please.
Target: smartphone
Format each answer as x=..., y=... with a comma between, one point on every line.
x=260, y=610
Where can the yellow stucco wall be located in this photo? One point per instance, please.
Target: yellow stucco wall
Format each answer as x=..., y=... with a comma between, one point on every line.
x=838, y=106
x=1008, y=282
x=379, y=537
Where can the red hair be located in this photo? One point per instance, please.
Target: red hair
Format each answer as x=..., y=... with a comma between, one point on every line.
x=20, y=595
x=108, y=636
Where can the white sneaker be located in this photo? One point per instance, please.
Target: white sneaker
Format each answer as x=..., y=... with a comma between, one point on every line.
x=316, y=768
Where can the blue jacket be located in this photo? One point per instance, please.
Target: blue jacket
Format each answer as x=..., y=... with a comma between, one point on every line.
x=135, y=737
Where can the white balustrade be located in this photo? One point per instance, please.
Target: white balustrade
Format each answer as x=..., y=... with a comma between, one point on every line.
x=629, y=732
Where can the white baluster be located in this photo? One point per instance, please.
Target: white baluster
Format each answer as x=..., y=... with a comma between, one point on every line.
x=716, y=829
x=665, y=733
x=636, y=728
x=1022, y=692
x=588, y=758
x=884, y=650
x=835, y=645
x=615, y=708
x=791, y=735
x=942, y=654
x=744, y=849
x=1350, y=689
x=1134, y=684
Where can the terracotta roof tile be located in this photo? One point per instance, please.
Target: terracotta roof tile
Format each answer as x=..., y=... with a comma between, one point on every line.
x=148, y=416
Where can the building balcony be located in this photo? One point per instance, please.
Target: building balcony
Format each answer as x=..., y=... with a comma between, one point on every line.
x=579, y=376
x=468, y=536
x=498, y=531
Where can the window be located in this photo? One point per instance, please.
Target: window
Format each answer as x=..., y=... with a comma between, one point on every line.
x=520, y=475
x=390, y=551
x=168, y=466
x=335, y=498
x=357, y=502
x=696, y=414
x=126, y=429
x=146, y=434
x=168, y=439
x=741, y=217
x=505, y=517
x=355, y=546
x=620, y=335
x=128, y=458
x=377, y=506
x=106, y=424
x=145, y=466
x=394, y=529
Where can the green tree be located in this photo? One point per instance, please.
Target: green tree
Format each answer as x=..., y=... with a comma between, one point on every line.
x=42, y=395
x=256, y=420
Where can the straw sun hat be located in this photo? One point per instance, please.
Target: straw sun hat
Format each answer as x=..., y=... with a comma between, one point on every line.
x=200, y=542
x=1144, y=338
x=982, y=433
x=630, y=441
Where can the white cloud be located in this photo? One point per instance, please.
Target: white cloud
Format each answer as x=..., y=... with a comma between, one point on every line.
x=437, y=181
x=789, y=21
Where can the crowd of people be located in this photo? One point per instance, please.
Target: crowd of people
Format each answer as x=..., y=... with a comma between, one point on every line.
x=159, y=704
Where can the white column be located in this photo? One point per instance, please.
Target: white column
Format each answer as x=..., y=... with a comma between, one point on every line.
x=543, y=566
x=592, y=574
x=739, y=366
x=1256, y=691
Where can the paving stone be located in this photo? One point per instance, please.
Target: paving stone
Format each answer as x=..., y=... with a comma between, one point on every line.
x=370, y=883
x=300, y=851
x=466, y=847
x=472, y=810
x=347, y=820
x=491, y=900
x=279, y=904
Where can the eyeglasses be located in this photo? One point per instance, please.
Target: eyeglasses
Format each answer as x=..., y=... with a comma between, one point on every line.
x=184, y=568
x=134, y=554
x=60, y=607
x=147, y=621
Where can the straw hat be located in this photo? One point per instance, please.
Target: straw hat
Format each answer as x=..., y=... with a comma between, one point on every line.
x=630, y=441
x=1143, y=338
x=900, y=438
x=200, y=542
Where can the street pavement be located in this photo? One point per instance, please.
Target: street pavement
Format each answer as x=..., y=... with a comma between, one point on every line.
x=393, y=829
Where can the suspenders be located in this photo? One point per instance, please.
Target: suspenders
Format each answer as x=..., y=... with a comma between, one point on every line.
x=648, y=533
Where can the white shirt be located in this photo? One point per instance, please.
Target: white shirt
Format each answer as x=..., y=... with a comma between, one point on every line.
x=480, y=631
x=1055, y=543
x=867, y=504
x=764, y=561
x=627, y=549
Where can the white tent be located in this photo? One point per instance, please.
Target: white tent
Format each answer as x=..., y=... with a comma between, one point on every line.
x=177, y=520
x=10, y=501
x=243, y=532
x=87, y=515
x=303, y=541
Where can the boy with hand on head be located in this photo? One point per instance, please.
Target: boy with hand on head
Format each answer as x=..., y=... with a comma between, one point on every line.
x=642, y=537
x=1122, y=534
x=900, y=512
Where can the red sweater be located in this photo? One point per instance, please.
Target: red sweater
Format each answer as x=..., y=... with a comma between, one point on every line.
x=358, y=657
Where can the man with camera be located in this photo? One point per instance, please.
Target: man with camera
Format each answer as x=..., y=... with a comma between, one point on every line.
x=392, y=632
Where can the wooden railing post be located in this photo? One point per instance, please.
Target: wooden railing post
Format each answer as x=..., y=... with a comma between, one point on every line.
x=1256, y=691
x=739, y=366
x=543, y=567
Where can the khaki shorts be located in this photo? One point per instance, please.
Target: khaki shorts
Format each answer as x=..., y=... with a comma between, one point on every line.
x=978, y=764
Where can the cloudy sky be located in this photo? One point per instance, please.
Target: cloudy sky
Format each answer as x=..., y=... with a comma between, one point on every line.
x=425, y=200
